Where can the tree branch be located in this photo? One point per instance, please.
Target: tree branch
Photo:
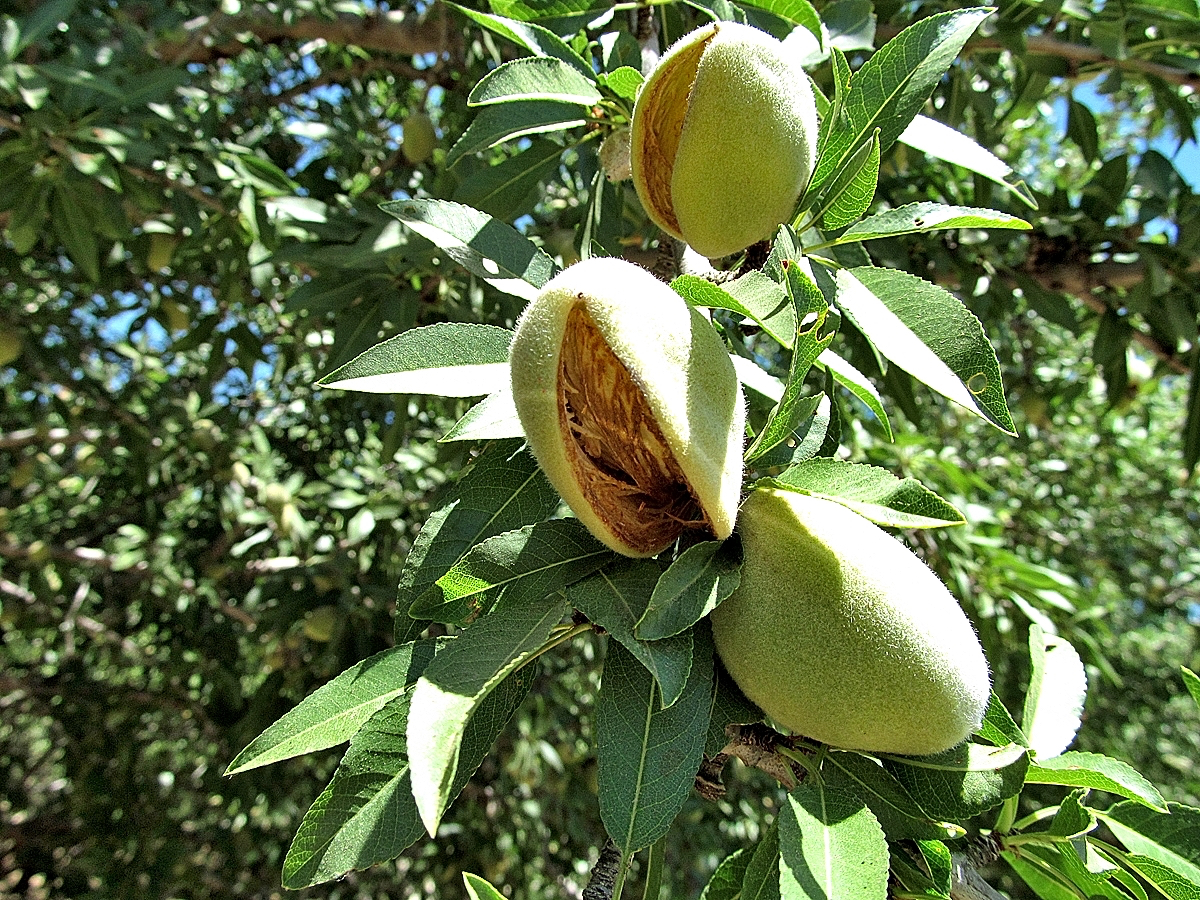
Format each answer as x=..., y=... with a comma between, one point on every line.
x=1076, y=54
x=209, y=38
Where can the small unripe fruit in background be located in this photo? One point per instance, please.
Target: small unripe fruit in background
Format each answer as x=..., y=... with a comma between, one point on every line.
x=840, y=633
x=631, y=405
x=724, y=138
x=10, y=345
x=419, y=138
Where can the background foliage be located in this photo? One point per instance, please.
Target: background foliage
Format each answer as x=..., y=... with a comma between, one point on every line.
x=192, y=537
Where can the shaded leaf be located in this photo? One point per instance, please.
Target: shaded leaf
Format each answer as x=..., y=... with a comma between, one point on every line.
x=367, y=813
x=998, y=726
x=726, y=880
x=691, y=587
x=519, y=566
x=502, y=490
x=648, y=755
x=496, y=124
x=334, y=712
x=851, y=191
x=615, y=598
x=510, y=188
x=963, y=781
x=1173, y=839
x=761, y=881
x=898, y=813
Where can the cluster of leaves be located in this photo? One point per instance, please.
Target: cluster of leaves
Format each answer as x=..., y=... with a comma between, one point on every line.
x=421, y=717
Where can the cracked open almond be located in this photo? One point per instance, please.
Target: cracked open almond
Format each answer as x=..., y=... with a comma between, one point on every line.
x=631, y=405
x=724, y=138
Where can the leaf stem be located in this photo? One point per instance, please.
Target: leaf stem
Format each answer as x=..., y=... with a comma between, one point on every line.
x=554, y=640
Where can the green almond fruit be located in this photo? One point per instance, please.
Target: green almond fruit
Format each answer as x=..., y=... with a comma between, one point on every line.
x=631, y=405
x=724, y=138
x=419, y=138
x=840, y=633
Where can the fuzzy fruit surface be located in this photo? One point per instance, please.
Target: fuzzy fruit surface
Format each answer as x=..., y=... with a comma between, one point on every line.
x=840, y=633
x=724, y=138
x=631, y=405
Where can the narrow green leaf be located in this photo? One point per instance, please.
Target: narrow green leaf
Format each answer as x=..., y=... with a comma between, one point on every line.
x=700, y=578
x=492, y=418
x=615, y=598
x=939, y=862
x=332, y=713
x=726, y=880
x=1172, y=838
x=1073, y=818
x=892, y=86
x=963, y=781
x=914, y=218
x=858, y=384
x=1167, y=881
x=648, y=756
x=624, y=81
x=761, y=881
x=510, y=188
x=1057, y=687
x=534, y=78
x=1191, y=426
x=898, y=813
x=998, y=726
x=753, y=377
x=1192, y=681
x=367, y=813
x=1094, y=884
x=485, y=247
x=519, y=566
x=929, y=333
x=503, y=489
x=44, y=18
x=496, y=124
x=478, y=889
x=534, y=38
x=75, y=229
x=1094, y=770
x=945, y=143
x=798, y=12
x=455, y=684
x=811, y=340
x=852, y=190
x=755, y=296
x=449, y=359
x=871, y=492
x=729, y=707
x=1042, y=877
x=831, y=847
